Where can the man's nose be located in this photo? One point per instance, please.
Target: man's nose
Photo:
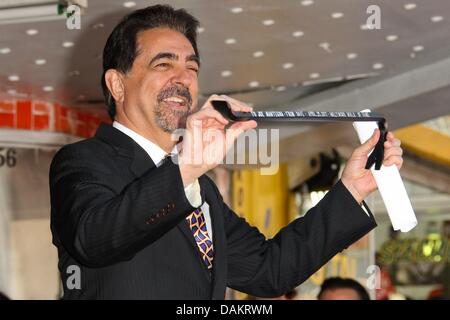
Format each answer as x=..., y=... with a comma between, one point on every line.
x=182, y=76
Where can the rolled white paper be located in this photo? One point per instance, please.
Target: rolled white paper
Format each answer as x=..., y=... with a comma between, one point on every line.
x=390, y=185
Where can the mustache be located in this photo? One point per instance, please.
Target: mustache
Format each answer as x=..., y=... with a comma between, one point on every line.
x=175, y=91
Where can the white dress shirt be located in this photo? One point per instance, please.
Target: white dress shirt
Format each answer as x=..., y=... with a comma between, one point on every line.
x=157, y=154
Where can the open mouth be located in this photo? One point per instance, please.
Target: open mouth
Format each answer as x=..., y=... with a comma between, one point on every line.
x=176, y=102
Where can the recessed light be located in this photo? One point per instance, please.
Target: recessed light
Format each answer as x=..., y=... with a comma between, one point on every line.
x=67, y=44
x=377, y=66
x=40, y=62
x=14, y=77
x=81, y=97
x=12, y=92
x=258, y=54
x=280, y=88
x=298, y=33
x=47, y=88
x=325, y=46
x=253, y=84
x=98, y=26
x=314, y=75
x=365, y=27
x=307, y=2
x=268, y=22
x=74, y=73
x=5, y=50
x=337, y=15
x=418, y=48
x=226, y=73
x=230, y=41
x=200, y=29
x=32, y=32
x=410, y=6
x=288, y=65
x=391, y=37
x=236, y=10
x=437, y=18
x=352, y=55
x=412, y=55
x=129, y=4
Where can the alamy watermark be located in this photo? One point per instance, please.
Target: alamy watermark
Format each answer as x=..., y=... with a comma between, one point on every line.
x=213, y=147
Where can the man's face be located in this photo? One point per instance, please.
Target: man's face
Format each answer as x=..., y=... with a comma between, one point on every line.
x=161, y=89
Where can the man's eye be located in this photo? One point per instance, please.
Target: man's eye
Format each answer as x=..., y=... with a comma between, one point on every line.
x=194, y=69
x=162, y=65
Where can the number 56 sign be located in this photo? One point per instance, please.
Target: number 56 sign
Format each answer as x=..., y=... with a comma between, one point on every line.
x=7, y=157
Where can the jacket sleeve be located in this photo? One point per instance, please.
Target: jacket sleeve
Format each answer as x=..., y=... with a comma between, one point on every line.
x=270, y=268
x=100, y=226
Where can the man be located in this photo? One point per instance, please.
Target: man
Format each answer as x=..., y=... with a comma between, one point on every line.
x=342, y=289
x=140, y=220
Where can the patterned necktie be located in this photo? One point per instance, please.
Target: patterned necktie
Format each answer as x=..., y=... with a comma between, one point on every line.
x=197, y=224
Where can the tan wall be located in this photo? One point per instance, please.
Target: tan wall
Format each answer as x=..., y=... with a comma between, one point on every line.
x=34, y=261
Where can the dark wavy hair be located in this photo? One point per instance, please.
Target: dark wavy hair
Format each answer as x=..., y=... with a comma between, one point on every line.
x=121, y=49
x=340, y=283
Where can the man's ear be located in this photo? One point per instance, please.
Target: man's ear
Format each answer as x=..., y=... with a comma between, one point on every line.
x=114, y=82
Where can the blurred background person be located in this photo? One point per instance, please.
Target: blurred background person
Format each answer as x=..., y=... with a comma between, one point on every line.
x=342, y=289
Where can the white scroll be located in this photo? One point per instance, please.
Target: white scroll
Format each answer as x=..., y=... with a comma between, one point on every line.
x=390, y=185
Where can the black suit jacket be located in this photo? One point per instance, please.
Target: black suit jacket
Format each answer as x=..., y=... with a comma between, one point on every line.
x=119, y=225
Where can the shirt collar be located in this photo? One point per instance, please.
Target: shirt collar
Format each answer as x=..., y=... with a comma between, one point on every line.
x=156, y=153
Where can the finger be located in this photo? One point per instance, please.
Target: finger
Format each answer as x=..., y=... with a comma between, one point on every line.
x=391, y=140
x=207, y=114
x=394, y=151
x=367, y=146
x=237, y=105
x=397, y=160
x=237, y=128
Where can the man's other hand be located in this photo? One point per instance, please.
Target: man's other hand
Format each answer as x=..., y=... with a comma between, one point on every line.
x=359, y=181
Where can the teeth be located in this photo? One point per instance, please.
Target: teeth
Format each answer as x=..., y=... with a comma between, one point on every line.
x=174, y=99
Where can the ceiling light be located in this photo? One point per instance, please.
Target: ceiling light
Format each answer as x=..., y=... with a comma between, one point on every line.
x=307, y=2
x=74, y=73
x=47, y=88
x=280, y=88
x=377, y=66
x=391, y=37
x=32, y=32
x=288, y=65
x=314, y=75
x=67, y=44
x=226, y=73
x=129, y=4
x=5, y=50
x=337, y=15
x=253, y=84
x=352, y=55
x=14, y=77
x=40, y=62
x=418, y=48
x=98, y=26
x=12, y=92
x=236, y=10
x=258, y=54
x=230, y=41
x=298, y=33
x=325, y=46
x=410, y=6
x=365, y=27
x=437, y=18
x=268, y=22
x=200, y=29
